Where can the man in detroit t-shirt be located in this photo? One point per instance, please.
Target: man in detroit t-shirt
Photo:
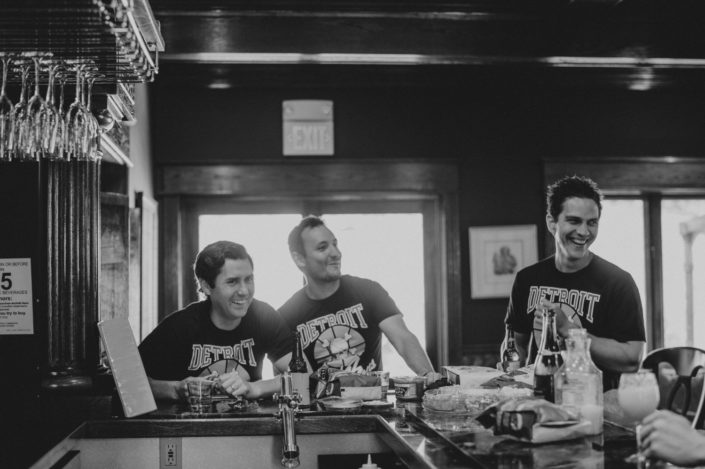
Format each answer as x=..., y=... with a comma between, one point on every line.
x=341, y=318
x=583, y=289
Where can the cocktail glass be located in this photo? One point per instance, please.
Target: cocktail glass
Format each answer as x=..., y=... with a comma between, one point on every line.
x=638, y=396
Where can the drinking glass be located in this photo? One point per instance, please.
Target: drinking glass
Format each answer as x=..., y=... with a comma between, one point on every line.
x=31, y=122
x=18, y=138
x=200, y=393
x=638, y=396
x=50, y=120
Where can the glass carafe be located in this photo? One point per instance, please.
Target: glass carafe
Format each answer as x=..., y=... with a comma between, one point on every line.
x=579, y=389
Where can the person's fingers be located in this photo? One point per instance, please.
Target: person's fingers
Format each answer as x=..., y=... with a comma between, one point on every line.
x=232, y=384
x=240, y=390
x=182, y=389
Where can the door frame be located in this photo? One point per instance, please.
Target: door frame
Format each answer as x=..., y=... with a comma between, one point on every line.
x=183, y=188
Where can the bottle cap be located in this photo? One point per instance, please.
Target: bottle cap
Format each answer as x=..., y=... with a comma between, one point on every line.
x=369, y=464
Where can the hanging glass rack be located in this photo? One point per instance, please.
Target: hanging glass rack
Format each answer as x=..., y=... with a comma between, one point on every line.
x=120, y=39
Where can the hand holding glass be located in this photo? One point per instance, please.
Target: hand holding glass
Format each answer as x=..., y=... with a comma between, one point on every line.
x=638, y=396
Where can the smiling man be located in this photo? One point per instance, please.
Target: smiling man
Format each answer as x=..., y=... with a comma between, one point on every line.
x=224, y=337
x=586, y=290
x=341, y=318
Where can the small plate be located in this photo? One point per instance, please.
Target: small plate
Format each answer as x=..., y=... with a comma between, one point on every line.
x=377, y=404
x=559, y=423
x=340, y=403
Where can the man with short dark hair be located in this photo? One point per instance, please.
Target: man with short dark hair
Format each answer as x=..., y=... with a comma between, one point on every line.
x=224, y=337
x=583, y=289
x=341, y=318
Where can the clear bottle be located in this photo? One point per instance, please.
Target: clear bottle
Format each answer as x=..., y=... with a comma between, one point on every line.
x=510, y=357
x=548, y=359
x=580, y=381
x=299, y=372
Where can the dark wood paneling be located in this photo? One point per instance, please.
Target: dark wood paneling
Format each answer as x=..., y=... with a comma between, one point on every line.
x=490, y=31
x=303, y=178
x=21, y=356
x=170, y=292
x=663, y=174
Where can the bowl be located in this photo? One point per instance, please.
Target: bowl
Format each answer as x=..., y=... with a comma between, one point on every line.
x=457, y=399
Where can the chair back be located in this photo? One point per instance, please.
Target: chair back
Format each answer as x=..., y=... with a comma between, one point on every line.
x=680, y=371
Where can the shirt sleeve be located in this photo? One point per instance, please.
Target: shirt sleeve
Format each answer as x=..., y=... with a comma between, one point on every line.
x=383, y=306
x=279, y=335
x=626, y=316
x=156, y=352
x=517, y=318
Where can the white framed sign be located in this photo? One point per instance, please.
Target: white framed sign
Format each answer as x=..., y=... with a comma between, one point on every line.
x=307, y=127
x=497, y=253
x=16, y=308
x=126, y=364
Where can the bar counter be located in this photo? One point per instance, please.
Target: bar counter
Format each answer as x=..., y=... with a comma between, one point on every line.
x=419, y=438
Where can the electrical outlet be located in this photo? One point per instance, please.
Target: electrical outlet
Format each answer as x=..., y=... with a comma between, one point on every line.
x=169, y=453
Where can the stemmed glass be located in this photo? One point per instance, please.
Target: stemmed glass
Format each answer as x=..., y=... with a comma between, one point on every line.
x=50, y=119
x=90, y=141
x=638, y=396
x=76, y=119
x=5, y=111
x=17, y=144
x=32, y=122
x=61, y=124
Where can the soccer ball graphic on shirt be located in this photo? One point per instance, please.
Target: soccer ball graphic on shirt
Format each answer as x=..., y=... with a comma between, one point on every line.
x=339, y=347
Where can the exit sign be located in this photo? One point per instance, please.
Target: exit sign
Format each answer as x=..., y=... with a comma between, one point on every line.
x=307, y=127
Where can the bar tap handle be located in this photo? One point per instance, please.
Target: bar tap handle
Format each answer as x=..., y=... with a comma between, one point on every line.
x=288, y=401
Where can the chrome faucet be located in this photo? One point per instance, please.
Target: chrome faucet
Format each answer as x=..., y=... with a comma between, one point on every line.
x=288, y=401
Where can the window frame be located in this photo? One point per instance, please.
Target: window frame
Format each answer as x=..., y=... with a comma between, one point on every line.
x=434, y=184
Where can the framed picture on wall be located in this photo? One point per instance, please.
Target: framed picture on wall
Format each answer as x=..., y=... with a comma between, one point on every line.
x=497, y=253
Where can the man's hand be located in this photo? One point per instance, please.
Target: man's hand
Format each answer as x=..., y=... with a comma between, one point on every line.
x=563, y=324
x=669, y=436
x=232, y=384
x=431, y=377
x=182, y=386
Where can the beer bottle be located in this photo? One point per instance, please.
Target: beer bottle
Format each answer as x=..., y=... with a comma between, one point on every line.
x=299, y=372
x=548, y=359
x=510, y=356
x=297, y=363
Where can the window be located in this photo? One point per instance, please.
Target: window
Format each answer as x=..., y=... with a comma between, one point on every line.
x=683, y=246
x=385, y=247
x=620, y=239
x=264, y=237
x=365, y=187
